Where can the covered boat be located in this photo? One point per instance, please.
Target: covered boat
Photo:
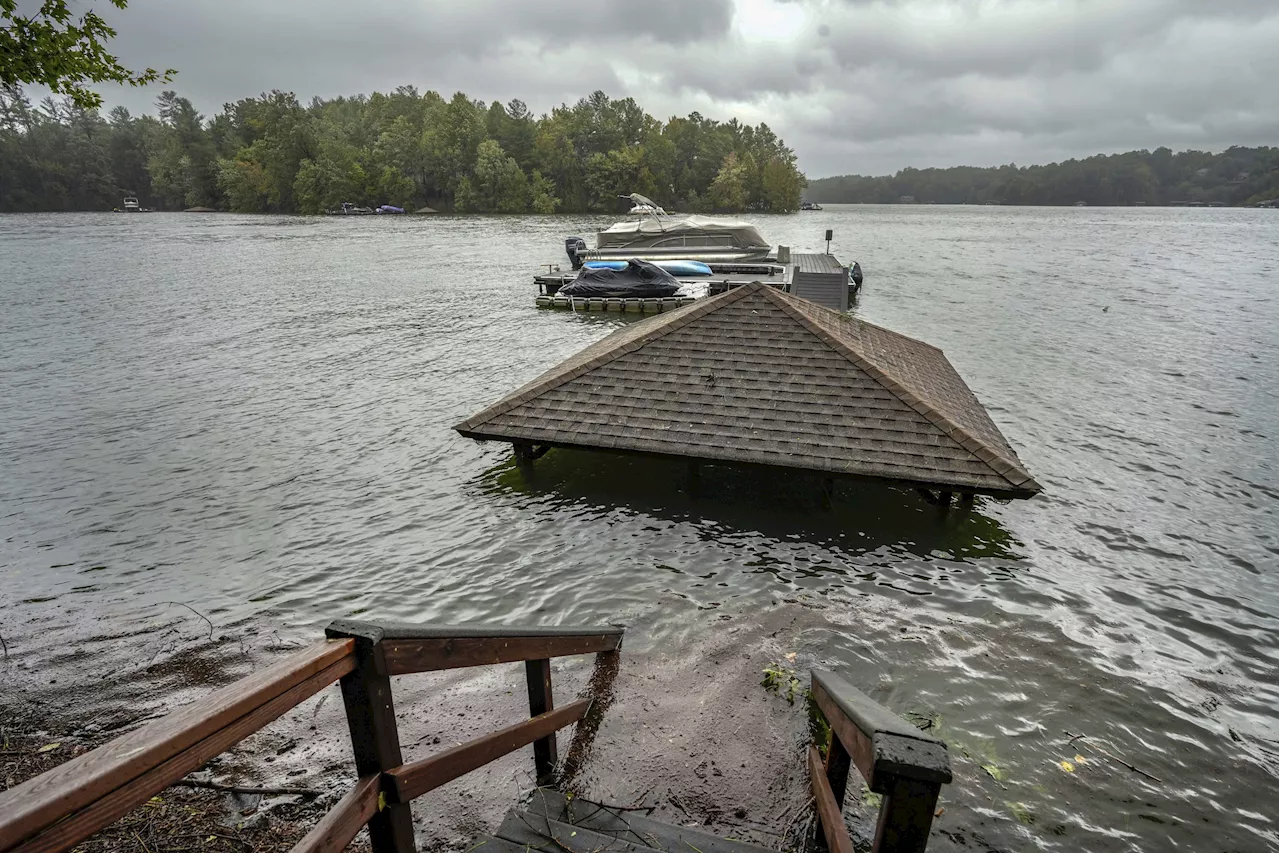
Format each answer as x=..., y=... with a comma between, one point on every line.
x=701, y=238
x=635, y=280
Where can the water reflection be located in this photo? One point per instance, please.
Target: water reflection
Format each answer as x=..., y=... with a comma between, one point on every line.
x=858, y=520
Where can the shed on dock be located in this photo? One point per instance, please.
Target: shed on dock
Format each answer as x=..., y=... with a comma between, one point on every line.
x=821, y=279
x=758, y=376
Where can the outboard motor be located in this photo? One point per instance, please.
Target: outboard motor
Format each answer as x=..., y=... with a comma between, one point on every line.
x=575, y=248
x=855, y=273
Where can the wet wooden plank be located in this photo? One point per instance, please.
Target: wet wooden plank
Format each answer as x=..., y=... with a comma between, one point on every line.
x=425, y=655
x=342, y=822
x=829, y=815
x=34, y=805
x=112, y=805
x=418, y=777
x=537, y=832
x=632, y=826
x=419, y=631
x=489, y=844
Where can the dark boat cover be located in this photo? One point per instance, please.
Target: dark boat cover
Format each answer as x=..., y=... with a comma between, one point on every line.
x=640, y=280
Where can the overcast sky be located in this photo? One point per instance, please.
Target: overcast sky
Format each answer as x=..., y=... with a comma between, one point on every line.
x=854, y=86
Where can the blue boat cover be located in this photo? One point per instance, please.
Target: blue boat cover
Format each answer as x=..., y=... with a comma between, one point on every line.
x=675, y=267
x=687, y=268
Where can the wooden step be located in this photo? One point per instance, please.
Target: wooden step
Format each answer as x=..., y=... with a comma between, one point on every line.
x=489, y=844
x=632, y=826
x=538, y=832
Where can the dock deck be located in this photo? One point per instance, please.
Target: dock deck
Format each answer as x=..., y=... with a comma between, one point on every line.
x=817, y=277
x=629, y=306
x=554, y=823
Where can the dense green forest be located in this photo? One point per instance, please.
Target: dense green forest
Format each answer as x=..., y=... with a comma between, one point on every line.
x=1236, y=176
x=272, y=154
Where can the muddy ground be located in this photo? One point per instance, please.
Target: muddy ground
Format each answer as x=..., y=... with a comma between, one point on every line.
x=692, y=735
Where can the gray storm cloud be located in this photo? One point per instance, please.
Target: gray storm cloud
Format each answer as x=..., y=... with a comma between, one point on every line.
x=865, y=87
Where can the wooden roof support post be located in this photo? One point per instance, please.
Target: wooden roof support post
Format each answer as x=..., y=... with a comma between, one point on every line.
x=828, y=493
x=693, y=481
x=526, y=453
x=371, y=718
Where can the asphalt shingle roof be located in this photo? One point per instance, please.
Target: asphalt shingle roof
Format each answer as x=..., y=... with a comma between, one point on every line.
x=759, y=376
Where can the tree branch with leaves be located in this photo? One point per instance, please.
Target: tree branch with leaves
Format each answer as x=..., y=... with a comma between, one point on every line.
x=55, y=49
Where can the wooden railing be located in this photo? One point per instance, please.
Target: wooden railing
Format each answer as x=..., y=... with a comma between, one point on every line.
x=60, y=808
x=906, y=766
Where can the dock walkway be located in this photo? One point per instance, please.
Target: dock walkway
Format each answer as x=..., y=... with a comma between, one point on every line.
x=554, y=823
x=820, y=278
x=630, y=306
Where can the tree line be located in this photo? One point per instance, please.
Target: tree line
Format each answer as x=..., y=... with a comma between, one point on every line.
x=1237, y=176
x=409, y=149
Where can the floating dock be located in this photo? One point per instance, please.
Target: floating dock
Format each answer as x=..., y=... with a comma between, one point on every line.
x=629, y=306
x=820, y=278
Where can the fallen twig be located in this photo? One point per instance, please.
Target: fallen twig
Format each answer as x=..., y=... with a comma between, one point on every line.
x=802, y=810
x=1139, y=771
x=196, y=612
x=242, y=789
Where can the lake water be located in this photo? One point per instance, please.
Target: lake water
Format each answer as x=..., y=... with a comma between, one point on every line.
x=252, y=415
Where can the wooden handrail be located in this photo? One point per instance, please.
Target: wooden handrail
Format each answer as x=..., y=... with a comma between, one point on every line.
x=344, y=821
x=60, y=808
x=412, y=780
x=883, y=746
x=97, y=787
x=897, y=760
x=426, y=648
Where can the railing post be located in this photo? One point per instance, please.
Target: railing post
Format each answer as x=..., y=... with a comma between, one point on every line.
x=903, y=764
x=538, y=674
x=906, y=813
x=371, y=717
x=837, y=768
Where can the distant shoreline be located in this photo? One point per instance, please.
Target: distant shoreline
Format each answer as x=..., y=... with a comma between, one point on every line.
x=1237, y=177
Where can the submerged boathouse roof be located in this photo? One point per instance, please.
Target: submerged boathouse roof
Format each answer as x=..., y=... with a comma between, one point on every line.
x=758, y=376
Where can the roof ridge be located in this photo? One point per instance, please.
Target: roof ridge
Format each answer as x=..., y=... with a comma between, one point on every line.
x=993, y=460
x=675, y=321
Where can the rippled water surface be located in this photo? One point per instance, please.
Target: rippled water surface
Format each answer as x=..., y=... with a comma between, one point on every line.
x=252, y=415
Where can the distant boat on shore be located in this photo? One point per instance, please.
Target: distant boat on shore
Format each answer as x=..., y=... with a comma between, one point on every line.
x=809, y=205
x=130, y=205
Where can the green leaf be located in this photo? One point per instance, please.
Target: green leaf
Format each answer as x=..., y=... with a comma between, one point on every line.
x=1021, y=813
